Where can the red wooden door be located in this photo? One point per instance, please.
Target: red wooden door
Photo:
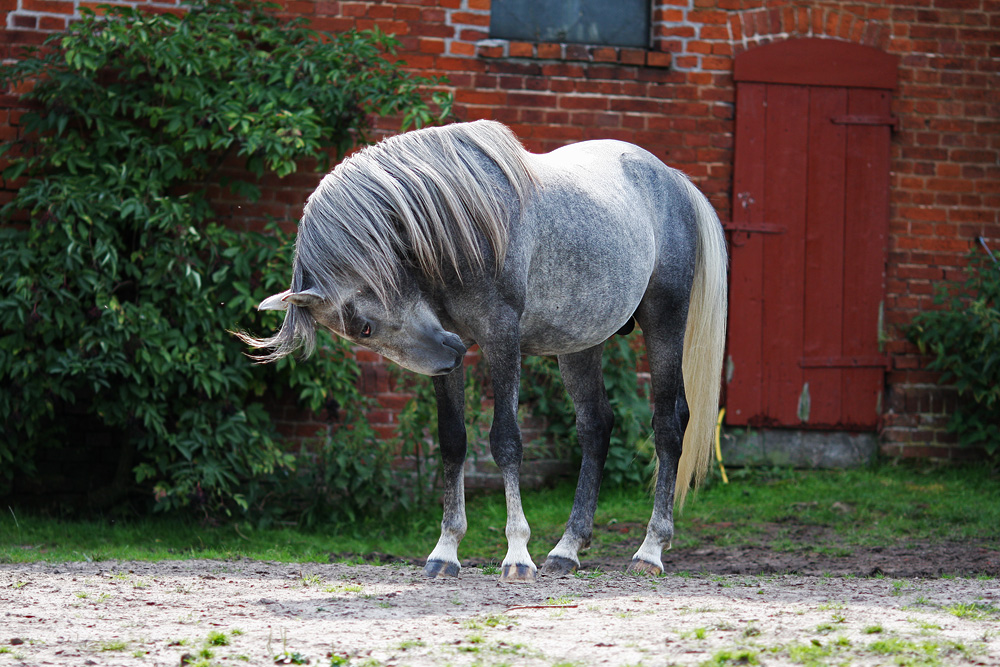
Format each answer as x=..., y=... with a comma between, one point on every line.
x=808, y=236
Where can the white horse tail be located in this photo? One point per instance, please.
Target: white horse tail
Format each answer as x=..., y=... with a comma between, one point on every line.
x=704, y=344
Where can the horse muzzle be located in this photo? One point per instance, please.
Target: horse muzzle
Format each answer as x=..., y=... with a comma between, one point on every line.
x=453, y=345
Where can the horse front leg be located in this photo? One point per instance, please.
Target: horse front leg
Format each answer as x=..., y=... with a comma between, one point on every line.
x=505, y=446
x=449, y=391
x=584, y=380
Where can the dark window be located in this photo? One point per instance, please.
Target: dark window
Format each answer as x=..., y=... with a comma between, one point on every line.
x=615, y=23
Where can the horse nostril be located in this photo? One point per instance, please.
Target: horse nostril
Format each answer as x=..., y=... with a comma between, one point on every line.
x=452, y=341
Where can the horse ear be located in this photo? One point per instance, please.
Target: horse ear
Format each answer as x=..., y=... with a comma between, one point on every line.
x=275, y=301
x=307, y=298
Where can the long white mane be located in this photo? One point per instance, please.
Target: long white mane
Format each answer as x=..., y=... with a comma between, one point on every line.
x=425, y=197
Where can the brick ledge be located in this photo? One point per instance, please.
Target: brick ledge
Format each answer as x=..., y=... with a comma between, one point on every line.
x=613, y=55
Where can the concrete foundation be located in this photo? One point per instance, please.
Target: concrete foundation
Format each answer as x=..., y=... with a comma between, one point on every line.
x=797, y=449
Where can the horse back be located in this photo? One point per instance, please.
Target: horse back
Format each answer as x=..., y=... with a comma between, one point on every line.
x=605, y=218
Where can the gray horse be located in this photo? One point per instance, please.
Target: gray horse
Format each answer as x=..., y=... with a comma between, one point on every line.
x=436, y=239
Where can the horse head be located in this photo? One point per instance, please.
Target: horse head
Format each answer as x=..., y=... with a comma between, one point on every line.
x=405, y=329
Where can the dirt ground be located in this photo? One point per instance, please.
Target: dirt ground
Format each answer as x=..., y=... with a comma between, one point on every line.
x=715, y=606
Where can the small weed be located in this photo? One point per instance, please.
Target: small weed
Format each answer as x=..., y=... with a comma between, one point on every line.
x=751, y=630
x=293, y=658
x=727, y=658
x=825, y=628
x=976, y=611
x=588, y=574
x=809, y=654
x=491, y=568
x=236, y=632
x=311, y=580
x=408, y=644
x=873, y=630
x=906, y=652
x=344, y=588
x=927, y=626
x=490, y=621
x=216, y=638
x=112, y=646
x=559, y=601
x=900, y=587
x=697, y=633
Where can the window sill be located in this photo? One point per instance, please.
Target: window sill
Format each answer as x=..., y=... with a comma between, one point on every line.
x=611, y=55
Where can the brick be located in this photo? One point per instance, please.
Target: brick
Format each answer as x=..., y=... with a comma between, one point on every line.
x=522, y=50
x=604, y=54
x=550, y=51
x=632, y=56
x=48, y=6
x=577, y=102
x=658, y=59
x=490, y=51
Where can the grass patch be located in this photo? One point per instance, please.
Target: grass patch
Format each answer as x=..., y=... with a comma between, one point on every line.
x=977, y=611
x=886, y=505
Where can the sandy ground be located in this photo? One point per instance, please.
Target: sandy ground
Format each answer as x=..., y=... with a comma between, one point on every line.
x=252, y=612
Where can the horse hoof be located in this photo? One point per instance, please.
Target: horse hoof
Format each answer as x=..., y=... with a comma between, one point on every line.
x=439, y=569
x=558, y=565
x=518, y=574
x=642, y=567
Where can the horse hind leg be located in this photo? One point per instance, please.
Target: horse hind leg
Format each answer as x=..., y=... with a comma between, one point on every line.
x=584, y=380
x=450, y=390
x=664, y=346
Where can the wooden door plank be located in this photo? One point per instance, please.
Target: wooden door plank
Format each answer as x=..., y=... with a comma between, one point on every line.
x=744, y=373
x=818, y=62
x=784, y=263
x=866, y=229
x=824, y=252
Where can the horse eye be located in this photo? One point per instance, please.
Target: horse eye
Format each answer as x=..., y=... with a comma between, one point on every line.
x=367, y=331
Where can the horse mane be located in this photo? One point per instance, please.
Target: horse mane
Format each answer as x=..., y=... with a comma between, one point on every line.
x=424, y=199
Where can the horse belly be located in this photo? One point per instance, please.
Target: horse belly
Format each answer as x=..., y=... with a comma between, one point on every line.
x=592, y=248
x=573, y=305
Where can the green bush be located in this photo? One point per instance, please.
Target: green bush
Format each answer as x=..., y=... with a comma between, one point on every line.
x=118, y=286
x=964, y=338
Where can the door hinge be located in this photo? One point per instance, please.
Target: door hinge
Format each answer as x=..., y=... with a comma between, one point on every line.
x=872, y=361
x=867, y=119
x=754, y=227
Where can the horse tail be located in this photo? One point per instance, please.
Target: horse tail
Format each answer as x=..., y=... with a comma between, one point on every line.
x=704, y=344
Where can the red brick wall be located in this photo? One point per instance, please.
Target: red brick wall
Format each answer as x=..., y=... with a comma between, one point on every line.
x=676, y=100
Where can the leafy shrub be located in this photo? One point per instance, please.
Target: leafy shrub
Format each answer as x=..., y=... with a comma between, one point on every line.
x=964, y=338
x=119, y=286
